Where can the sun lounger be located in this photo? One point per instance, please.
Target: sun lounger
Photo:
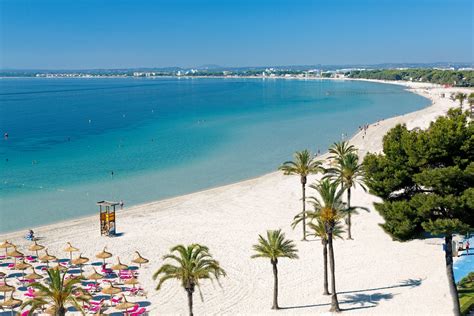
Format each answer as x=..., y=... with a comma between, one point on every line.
x=133, y=309
x=93, y=309
x=116, y=300
x=140, y=311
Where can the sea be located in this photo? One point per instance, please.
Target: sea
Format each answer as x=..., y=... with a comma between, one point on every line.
x=67, y=143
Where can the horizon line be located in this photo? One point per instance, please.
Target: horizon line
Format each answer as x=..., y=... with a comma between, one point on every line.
x=215, y=66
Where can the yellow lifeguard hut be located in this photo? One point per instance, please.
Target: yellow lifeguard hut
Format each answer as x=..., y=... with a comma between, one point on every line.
x=107, y=218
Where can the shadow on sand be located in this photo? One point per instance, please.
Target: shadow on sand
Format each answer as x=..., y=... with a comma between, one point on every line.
x=365, y=300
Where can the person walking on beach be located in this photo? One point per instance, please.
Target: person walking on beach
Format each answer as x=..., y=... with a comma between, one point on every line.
x=467, y=248
x=121, y=204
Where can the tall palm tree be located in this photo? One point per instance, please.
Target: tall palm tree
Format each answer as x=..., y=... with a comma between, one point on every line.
x=192, y=264
x=329, y=205
x=319, y=230
x=274, y=247
x=57, y=292
x=304, y=164
x=461, y=97
x=348, y=173
x=470, y=100
x=339, y=150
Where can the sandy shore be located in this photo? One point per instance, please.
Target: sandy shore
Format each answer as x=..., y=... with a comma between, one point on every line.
x=375, y=275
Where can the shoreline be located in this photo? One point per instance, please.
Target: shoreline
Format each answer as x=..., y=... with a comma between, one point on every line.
x=413, y=87
x=376, y=275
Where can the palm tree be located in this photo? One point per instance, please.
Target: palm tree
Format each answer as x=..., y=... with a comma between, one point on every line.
x=274, y=247
x=193, y=263
x=348, y=173
x=460, y=97
x=319, y=230
x=470, y=100
x=304, y=164
x=339, y=150
x=329, y=206
x=57, y=292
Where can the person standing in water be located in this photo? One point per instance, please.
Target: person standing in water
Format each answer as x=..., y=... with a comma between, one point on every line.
x=121, y=204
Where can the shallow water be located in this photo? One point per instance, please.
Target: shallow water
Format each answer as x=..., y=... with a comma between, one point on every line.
x=73, y=142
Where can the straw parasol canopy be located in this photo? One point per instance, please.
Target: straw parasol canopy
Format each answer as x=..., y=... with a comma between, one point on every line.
x=15, y=253
x=59, y=267
x=11, y=302
x=5, y=245
x=95, y=276
x=69, y=248
x=84, y=294
x=35, y=247
x=119, y=265
x=133, y=281
x=125, y=304
x=22, y=265
x=104, y=254
x=140, y=260
x=111, y=290
x=33, y=275
x=80, y=260
x=6, y=288
x=47, y=257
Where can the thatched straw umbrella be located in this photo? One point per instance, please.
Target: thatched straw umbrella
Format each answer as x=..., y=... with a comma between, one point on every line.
x=22, y=266
x=6, y=288
x=5, y=245
x=103, y=254
x=11, y=303
x=140, y=260
x=95, y=276
x=79, y=261
x=47, y=258
x=33, y=275
x=133, y=281
x=69, y=248
x=124, y=304
x=15, y=254
x=119, y=266
x=111, y=290
x=35, y=247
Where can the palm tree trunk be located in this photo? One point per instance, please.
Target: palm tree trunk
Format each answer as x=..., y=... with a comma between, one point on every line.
x=275, y=285
x=448, y=239
x=325, y=256
x=334, y=302
x=61, y=311
x=349, y=235
x=303, y=187
x=190, y=301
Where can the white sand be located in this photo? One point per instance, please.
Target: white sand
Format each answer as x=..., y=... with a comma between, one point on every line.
x=375, y=275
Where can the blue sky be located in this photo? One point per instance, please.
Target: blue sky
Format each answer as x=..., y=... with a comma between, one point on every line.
x=73, y=34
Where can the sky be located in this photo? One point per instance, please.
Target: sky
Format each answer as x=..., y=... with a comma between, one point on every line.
x=87, y=34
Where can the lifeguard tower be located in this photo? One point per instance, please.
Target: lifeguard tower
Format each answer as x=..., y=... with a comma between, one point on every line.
x=107, y=218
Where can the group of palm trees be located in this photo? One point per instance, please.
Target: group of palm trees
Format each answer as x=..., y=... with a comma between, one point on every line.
x=194, y=263
x=344, y=173
x=461, y=97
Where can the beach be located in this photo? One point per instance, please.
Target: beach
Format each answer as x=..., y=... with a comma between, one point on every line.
x=374, y=274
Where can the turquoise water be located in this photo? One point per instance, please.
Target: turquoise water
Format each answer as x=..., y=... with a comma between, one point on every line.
x=163, y=137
